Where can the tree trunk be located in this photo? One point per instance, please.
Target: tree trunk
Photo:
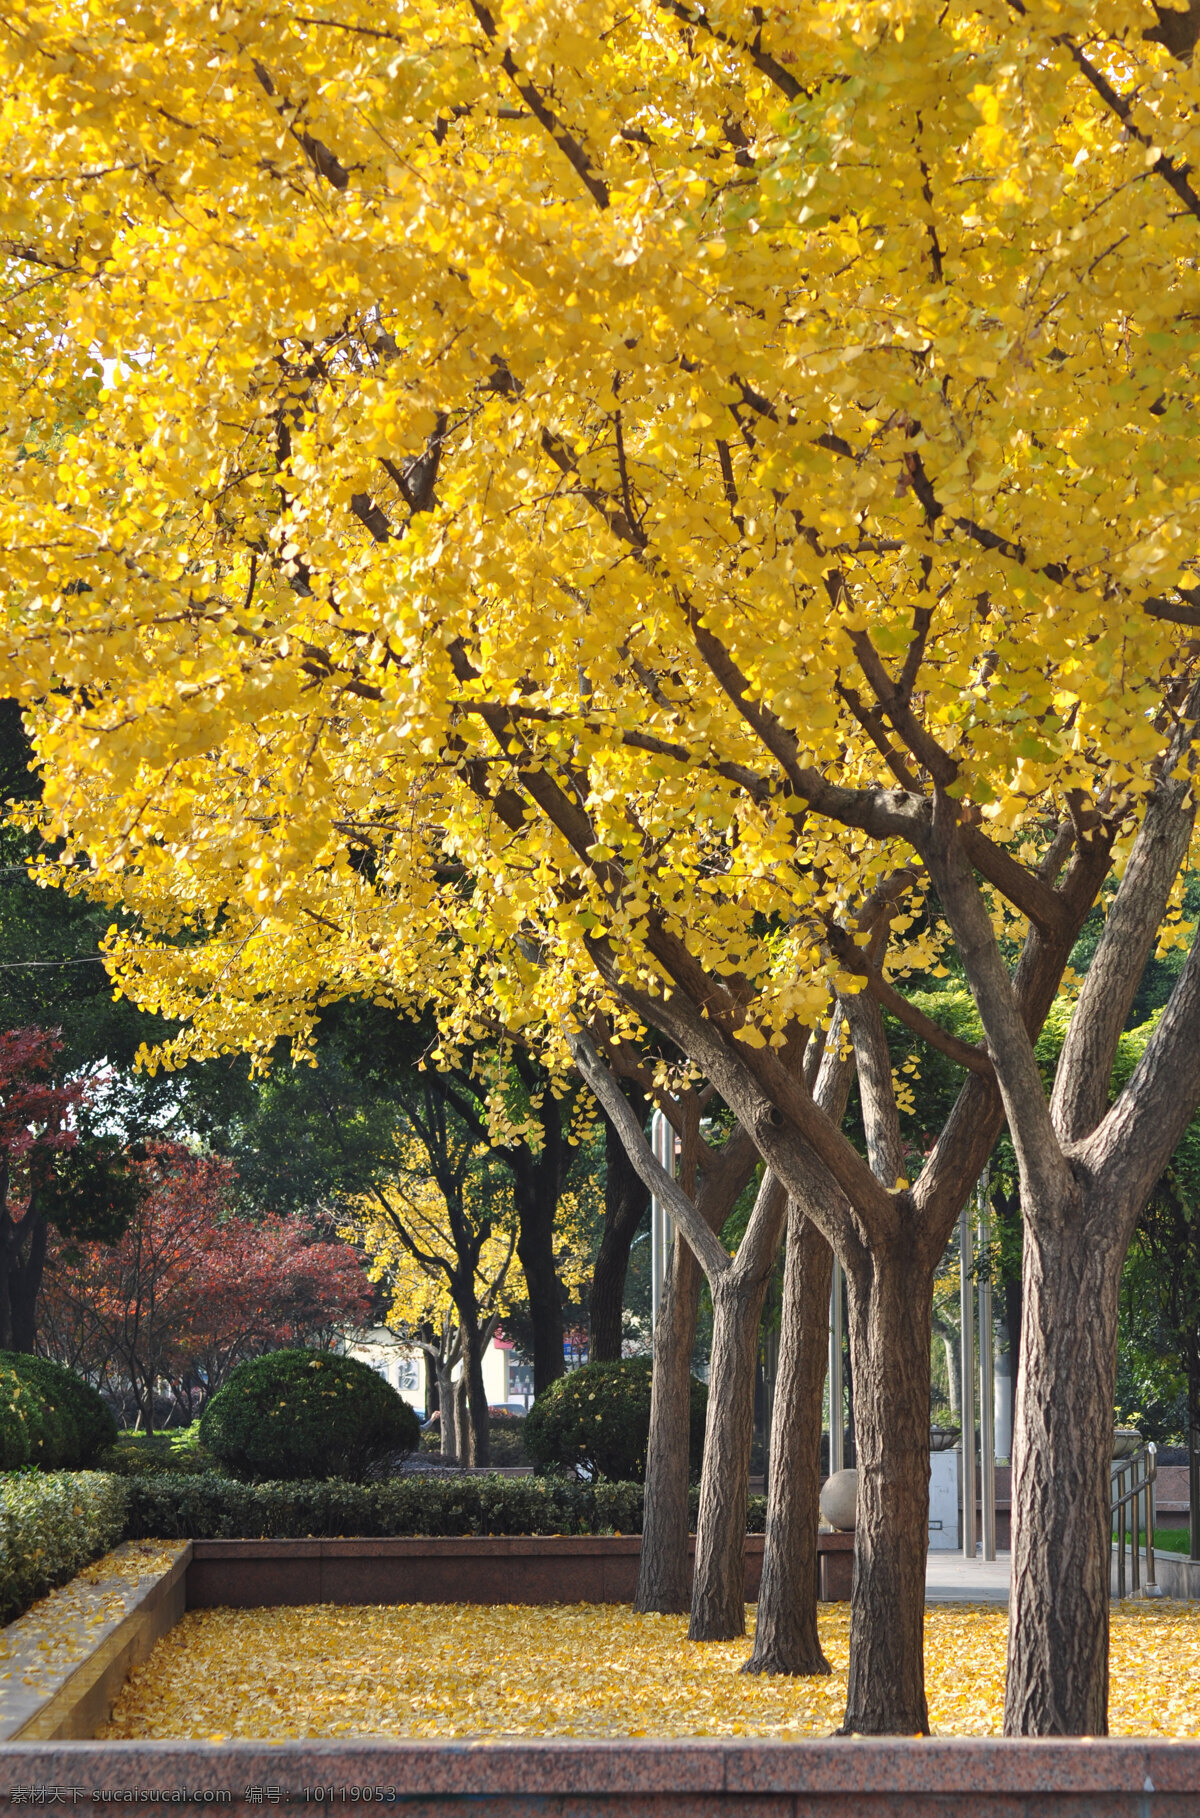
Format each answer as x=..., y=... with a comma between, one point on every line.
x=626, y=1201
x=719, y=1584
x=446, y=1411
x=538, y=1182
x=663, y=1576
x=10, y=1242
x=785, y=1637
x=537, y=1204
x=25, y=1282
x=477, y=1408
x=1062, y=1533
x=890, y=1303
x=464, y=1439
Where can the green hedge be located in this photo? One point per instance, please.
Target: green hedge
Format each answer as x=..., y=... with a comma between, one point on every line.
x=51, y=1526
x=170, y=1507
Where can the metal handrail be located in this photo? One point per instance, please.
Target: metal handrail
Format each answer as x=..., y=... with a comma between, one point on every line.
x=1141, y=1471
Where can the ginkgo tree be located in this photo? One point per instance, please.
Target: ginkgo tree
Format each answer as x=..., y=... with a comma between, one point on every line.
x=449, y=1275
x=649, y=517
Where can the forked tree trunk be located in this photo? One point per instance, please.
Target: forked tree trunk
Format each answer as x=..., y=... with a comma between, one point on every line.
x=890, y=1302
x=477, y=1408
x=1062, y=1532
x=719, y=1585
x=663, y=1572
x=785, y=1637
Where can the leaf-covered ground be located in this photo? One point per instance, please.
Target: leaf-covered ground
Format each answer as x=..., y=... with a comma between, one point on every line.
x=587, y=1670
x=61, y=1628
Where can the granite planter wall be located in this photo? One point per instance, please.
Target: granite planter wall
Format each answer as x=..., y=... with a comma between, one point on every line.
x=624, y=1779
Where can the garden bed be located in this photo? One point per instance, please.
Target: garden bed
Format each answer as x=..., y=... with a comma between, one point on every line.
x=480, y=1673
x=395, y=1700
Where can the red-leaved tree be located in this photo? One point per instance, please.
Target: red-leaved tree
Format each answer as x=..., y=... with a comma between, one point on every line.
x=192, y=1288
x=54, y=1174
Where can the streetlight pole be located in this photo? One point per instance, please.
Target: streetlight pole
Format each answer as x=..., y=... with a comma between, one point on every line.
x=966, y=1300
x=837, y=1446
x=987, y=1378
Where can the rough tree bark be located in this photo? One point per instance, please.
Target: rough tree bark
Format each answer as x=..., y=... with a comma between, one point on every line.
x=700, y=1201
x=785, y=1635
x=664, y=1571
x=1086, y=1172
x=1062, y=1529
x=665, y=1576
x=738, y=1285
x=890, y=1307
x=474, y=1343
x=626, y=1200
x=719, y=1586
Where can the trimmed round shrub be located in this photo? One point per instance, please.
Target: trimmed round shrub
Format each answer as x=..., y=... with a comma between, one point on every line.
x=14, y=1428
x=34, y=1429
x=88, y=1426
x=297, y=1414
x=596, y=1422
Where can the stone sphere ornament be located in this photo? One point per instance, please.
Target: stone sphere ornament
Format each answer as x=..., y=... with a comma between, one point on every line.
x=839, y=1499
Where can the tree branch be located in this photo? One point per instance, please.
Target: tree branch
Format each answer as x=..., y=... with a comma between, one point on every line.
x=877, y=1090
x=1081, y=1083
x=545, y=115
x=709, y=1251
x=1044, y=1172
x=853, y=959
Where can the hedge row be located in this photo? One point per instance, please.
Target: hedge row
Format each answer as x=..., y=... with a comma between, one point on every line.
x=168, y=1507
x=52, y=1524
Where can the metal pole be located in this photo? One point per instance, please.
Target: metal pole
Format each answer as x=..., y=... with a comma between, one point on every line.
x=837, y=1432
x=662, y=1231
x=966, y=1289
x=987, y=1384
x=1152, y=1589
x=1121, y=1532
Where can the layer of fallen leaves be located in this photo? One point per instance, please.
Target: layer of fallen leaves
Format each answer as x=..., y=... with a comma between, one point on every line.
x=57, y=1632
x=587, y=1670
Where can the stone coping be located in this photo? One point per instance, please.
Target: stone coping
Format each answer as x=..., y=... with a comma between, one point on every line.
x=518, y=1568
x=906, y=1778
x=63, y=1662
x=463, y=1546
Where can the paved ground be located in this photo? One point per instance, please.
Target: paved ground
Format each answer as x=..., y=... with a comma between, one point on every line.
x=949, y=1578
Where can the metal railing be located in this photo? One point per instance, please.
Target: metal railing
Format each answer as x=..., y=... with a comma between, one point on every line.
x=1133, y=1481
